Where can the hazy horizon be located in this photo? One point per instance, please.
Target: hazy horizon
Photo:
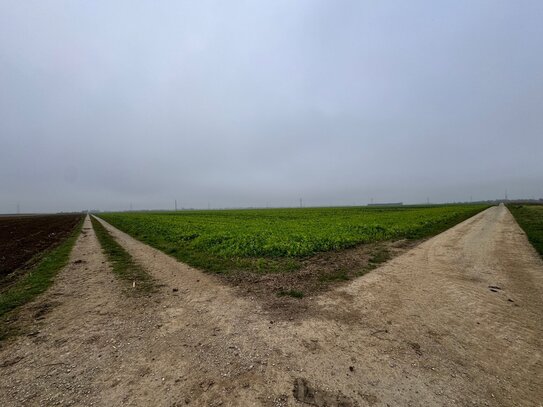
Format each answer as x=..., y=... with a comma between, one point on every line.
x=178, y=206
x=240, y=104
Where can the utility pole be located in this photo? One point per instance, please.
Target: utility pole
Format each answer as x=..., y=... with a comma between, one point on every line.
x=506, y=194
x=428, y=200
x=176, y=205
x=300, y=202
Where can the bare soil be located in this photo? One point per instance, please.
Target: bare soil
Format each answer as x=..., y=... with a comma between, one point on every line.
x=318, y=273
x=457, y=320
x=23, y=237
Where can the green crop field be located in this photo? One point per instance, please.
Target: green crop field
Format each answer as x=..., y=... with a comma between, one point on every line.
x=275, y=239
x=530, y=218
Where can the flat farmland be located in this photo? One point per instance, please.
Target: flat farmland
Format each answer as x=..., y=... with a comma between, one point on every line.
x=277, y=239
x=422, y=329
x=24, y=237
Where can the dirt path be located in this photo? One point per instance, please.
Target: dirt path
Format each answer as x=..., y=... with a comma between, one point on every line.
x=76, y=336
x=425, y=329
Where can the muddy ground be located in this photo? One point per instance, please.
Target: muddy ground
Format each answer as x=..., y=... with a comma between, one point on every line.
x=457, y=320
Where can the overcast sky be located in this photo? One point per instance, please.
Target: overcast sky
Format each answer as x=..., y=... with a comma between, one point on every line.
x=255, y=103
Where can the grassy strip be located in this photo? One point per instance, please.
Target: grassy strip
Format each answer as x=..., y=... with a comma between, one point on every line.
x=291, y=293
x=530, y=219
x=122, y=263
x=41, y=276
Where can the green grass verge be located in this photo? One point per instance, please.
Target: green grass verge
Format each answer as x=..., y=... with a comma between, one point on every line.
x=39, y=278
x=122, y=263
x=530, y=219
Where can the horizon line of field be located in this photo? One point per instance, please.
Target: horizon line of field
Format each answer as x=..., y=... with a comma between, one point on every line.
x=271, y=207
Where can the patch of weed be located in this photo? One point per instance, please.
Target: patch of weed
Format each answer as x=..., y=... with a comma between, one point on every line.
x=339, y=275
x=291, y=293
x=379, y=256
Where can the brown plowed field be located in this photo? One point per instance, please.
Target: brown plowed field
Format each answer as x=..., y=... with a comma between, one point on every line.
x=23, y=237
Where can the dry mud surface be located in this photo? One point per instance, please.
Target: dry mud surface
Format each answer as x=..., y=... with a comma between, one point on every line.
x=458, y=320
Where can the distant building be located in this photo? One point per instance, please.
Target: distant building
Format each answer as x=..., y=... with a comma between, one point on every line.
x=386, y=204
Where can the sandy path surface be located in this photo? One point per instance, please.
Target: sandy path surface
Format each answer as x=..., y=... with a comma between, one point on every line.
x=427, y=328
